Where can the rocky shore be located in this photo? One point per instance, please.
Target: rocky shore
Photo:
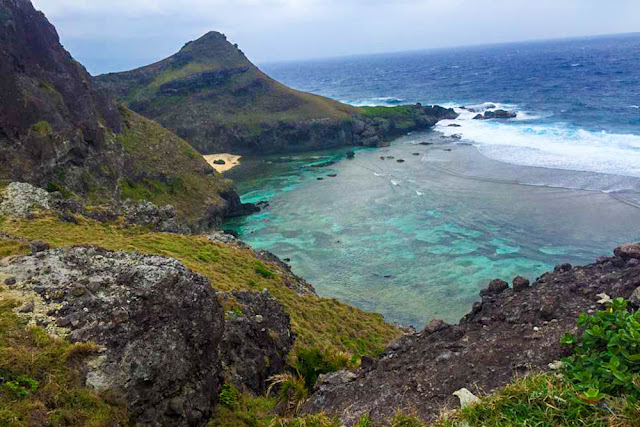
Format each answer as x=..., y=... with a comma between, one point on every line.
x=511, y=332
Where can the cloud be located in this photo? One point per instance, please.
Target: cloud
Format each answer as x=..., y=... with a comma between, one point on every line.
x=116, y=34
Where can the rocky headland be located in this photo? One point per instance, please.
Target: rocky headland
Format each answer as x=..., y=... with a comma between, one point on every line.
x=211, y=95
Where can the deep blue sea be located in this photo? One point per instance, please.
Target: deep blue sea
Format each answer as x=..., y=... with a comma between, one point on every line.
x=579, y=99
x=419, y=239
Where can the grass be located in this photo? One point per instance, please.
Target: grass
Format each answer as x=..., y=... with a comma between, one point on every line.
x=42, y=128
x=543, y=400
x=339, y=330
x=38, y=381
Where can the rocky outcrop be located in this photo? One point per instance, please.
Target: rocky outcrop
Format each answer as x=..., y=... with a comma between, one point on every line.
x=256, y=341
x=159, y=326
x=497, y=114
x=507, y=333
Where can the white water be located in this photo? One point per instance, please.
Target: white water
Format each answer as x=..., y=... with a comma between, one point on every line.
x=523, y=141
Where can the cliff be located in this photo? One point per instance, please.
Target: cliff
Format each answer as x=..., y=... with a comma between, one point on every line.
x=210, y=94
x=58, y=131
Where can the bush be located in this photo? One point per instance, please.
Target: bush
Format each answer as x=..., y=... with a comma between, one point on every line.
x=264, y=271
x=228, y=396
x=312, y=363
x=606, y=357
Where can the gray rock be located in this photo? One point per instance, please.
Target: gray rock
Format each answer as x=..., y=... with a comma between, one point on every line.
x=21, y=199
x=159, y=323
x=520, y=283
x=628, y=250
x=495, y=287
x=635, y=297
x=38, y=246
x=256, y=345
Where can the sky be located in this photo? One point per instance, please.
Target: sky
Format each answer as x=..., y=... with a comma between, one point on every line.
x=118, y=35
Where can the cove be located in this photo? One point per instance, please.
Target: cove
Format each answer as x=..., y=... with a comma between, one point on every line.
x=418, y=239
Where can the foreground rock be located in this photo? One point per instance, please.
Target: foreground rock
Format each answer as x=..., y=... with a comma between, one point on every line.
x=256, y=342
x=158, y=323
x=506, y=334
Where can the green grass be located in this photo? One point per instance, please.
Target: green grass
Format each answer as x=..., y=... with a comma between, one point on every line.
x=42, y=128
x=39, y=382
x=543, y=400
x=339, y=330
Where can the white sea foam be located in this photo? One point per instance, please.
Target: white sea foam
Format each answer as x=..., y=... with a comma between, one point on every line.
x=394, y=182
x=549, y=145
x=372, y=102
x=634, y=106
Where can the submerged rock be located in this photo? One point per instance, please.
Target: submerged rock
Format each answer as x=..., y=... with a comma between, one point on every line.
x=159, y=324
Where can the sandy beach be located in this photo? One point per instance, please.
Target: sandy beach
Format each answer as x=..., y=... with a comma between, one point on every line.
x=230, y=160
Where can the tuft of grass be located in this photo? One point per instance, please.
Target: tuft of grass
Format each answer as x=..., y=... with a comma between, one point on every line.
x=38, y=381
x=42, y=128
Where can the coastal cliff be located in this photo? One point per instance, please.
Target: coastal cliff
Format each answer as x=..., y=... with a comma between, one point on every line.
x=58, y=131
x=211, y=95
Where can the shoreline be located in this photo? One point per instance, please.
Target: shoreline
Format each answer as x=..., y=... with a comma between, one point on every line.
x=230, y=161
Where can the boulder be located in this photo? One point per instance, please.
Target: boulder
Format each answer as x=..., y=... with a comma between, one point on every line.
x=351, y=154
x=628, y=250
x=635, y=297
x=159, y=324
x=520, y=283
x=20, y=199
x=256, y=342
x=495, y=287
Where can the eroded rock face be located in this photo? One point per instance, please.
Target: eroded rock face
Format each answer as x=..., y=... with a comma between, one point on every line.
x=256, y=342
x=160, y=326
x=507, y=333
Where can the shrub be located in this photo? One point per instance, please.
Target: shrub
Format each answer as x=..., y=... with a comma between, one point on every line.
x=42, y=128
x=606, y=357
x=264, y=271
x=228, y=396
x=312, y=363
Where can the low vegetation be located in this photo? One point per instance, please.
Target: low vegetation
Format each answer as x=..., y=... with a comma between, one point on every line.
x=38, y=382
x=341, y=332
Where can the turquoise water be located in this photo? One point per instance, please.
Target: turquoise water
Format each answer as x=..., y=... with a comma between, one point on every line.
x=419, y=239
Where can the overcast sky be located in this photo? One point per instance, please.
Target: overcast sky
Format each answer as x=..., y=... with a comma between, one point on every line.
x=116, y=35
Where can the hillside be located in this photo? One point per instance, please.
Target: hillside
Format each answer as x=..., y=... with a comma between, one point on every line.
x=210, y=94
x=60, y=132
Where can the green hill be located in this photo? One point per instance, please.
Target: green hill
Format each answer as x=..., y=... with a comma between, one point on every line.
x=210, y=94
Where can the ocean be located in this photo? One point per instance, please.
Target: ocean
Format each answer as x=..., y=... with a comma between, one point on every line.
x=419, y=239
